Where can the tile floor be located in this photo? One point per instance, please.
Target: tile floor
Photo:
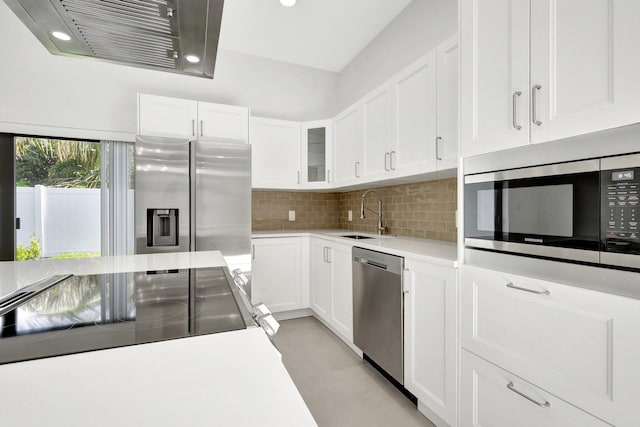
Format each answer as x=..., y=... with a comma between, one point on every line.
x=338, y=387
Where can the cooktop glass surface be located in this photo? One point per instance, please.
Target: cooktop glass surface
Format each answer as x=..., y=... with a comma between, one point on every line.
x=84, y=313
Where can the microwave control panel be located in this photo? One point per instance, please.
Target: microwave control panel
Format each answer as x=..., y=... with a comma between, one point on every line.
x=621, y=210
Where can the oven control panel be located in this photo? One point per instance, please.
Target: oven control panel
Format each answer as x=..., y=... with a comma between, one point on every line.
x=620, y=190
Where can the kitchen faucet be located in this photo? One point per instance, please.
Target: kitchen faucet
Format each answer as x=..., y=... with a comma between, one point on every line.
x=381, y=227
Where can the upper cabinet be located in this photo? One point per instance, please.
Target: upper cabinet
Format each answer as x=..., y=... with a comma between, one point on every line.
x=183, y=118
x=379, y=146
x=275, y=153
x=414, y=118
x=447, y=140
x=317, y=138
x=348, y=146
x=539, y=71
x=223, y=122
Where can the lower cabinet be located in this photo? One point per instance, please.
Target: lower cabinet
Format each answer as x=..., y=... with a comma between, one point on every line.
x=581, y=345
x=276, y=277
x=430, y=346
x=331, y=286
x=493, y=397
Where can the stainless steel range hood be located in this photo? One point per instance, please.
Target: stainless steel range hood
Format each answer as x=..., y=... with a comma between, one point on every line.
x=155, y=34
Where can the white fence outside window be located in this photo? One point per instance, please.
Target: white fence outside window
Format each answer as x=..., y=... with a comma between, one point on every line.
x=63, y=219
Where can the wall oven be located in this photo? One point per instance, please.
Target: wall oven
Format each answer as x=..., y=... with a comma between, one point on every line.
x=583, y=211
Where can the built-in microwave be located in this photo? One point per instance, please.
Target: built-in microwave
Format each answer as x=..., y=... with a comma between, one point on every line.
x=584, y=211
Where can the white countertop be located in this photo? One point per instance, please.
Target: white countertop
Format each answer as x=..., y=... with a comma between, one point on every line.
x=226, y=379
x=434, y=251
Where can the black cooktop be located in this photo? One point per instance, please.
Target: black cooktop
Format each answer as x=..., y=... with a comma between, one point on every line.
x=84, y=313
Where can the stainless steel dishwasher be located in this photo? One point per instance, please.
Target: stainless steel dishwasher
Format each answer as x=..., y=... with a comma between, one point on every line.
x=378, y=310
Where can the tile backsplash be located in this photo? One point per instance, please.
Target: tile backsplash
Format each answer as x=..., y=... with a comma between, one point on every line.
x=425, y=209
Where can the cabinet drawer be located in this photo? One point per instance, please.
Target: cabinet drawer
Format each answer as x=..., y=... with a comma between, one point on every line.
x=574, y=342
x=492, y=397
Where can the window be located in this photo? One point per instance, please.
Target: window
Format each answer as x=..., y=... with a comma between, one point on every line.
x=71, y=198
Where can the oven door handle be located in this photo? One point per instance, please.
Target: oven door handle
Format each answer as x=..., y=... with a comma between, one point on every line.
x=571, y=168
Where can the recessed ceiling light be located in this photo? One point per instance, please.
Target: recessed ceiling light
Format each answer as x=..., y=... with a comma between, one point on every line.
x=61, y=36
x=288, y=3
x=192, y=58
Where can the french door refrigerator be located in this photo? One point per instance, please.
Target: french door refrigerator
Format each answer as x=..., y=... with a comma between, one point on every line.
x=193, y=196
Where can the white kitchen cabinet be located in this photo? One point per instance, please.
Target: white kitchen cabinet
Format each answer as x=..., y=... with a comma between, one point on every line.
x=493, y=397
x=228, y=123
x=275, y=153
x=379, y=147
x=320, y=278
x=494, y=56
x=578, y=344
x=430, y=345
x=414, y=117
x=163, y=116
x=317, y=154
x=448, y=54
x=341, y=289
x=276, y=277
x=331, y=285
x=167, y=117
x=585, y=57
x=348, y=146
x=539, y=71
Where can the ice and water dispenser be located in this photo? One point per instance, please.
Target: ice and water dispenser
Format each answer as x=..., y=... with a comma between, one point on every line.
x=162, y=227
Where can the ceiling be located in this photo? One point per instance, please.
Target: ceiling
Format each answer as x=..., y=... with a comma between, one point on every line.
x=324, y=34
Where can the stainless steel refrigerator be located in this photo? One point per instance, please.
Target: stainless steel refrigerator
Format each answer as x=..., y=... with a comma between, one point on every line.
x=193, y=196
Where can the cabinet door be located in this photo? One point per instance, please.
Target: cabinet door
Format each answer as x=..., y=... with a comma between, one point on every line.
x=320, y=281
x=317, y=155
x=585, y=58
x=494, y=42
x=275, y=153
x=276, y=278
x=223, y=122
x=168, y=117
x=430, y=336
x=415, y=117
x=348, y=146
x=573, y=342
x=341, y=289
x=375, y=112
x=492, y=397
x=447, y=111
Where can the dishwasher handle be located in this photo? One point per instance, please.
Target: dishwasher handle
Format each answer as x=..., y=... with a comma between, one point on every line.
x=372, y=263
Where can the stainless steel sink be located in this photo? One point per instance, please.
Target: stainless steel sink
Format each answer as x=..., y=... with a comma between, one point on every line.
x=356, y=236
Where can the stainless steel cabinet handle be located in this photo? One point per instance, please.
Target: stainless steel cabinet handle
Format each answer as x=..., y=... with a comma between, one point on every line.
x=298, y=177
x=201, y=127
x=357, y=169
x=438, y=139
x=512, y=286
x=253, y=251
x=328, y=176
x=511, y=387
x=405, y=283
x=329, y=255
x=391, y=156
x=324, y=254
x=386, y=161
x=193, y=127
x=534, y=105
x=514, y=119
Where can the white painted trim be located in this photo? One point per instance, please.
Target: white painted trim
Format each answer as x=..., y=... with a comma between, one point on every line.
x=65, y=132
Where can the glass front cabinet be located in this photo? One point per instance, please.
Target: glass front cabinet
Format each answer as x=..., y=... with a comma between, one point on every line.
x=316, y=154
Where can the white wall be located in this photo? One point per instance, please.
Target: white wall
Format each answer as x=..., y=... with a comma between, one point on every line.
x=42, y=89
x=419, y=28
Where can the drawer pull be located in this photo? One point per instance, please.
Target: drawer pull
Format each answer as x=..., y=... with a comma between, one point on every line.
x=513, y=389
x=512, y=286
